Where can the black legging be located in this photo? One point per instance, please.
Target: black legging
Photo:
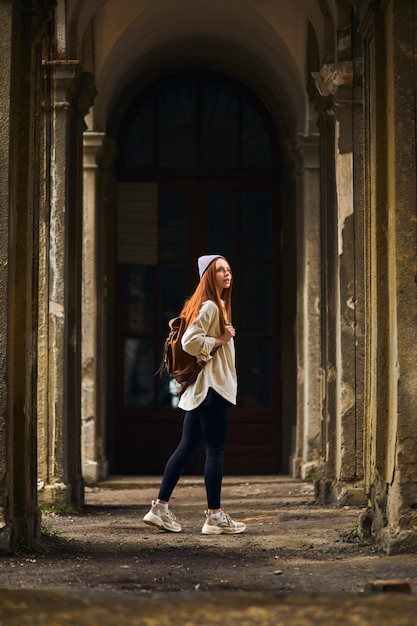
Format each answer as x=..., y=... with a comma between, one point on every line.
x=209, y=423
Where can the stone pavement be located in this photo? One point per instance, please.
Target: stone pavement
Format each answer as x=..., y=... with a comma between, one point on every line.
x=296, y=564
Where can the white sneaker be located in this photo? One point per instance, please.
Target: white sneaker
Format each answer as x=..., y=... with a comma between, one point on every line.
x=165, y=520
x=224, y=524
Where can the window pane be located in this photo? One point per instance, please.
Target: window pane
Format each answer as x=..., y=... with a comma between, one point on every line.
x=138, y=373
x=174, y=223
x=256, y=299
x=254, y=373
x=176, y=125
x=137, y=223
x=140, y=145
x=219, y=126
x=167, y=393
x=140, y=299
x=256, y=140
x=257, y=224
x=222, y=231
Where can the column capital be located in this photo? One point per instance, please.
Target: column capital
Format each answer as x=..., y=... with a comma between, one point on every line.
x=73, y=88
x=98, y=150
x=93, y=144
x=335, y=75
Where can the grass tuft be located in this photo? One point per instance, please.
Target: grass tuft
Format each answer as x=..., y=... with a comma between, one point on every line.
x=52, y=533
x=56, y=508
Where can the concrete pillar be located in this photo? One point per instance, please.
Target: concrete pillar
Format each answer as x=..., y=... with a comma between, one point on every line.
x=98, y=157
x=21, y=37
x=340, y=85
x=307, y=459
x=70, y=94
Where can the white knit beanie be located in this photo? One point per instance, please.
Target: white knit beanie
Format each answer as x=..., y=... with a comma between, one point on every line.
x=204, y=262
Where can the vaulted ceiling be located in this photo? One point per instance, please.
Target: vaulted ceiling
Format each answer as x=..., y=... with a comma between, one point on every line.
x=262, y=42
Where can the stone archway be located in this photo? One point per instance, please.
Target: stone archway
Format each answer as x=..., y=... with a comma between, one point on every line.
x=275, y=84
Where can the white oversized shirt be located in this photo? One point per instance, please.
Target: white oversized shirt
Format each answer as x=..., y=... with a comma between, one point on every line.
x=219, y=371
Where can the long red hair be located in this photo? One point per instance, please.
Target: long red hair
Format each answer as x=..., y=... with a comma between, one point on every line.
x=207, y=290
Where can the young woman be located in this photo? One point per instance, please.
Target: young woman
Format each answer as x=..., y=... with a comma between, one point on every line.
x=209, y=337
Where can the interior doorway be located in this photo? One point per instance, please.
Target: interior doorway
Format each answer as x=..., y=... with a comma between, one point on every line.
x=197, y=173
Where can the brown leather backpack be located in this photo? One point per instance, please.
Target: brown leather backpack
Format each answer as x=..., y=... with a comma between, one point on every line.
x=180, y=365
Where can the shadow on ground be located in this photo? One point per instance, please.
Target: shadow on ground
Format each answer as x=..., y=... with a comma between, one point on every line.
x=295, y=560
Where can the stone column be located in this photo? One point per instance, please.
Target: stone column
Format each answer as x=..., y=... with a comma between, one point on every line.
x=71, y=93
x=389, y=31
x=340, y=85
x=21, y=36
x=98, y=157
x=307, y=459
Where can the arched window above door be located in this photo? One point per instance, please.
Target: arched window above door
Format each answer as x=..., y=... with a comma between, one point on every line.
x=197, y=121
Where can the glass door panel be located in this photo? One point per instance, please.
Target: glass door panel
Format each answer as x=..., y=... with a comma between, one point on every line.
x=138, y=357
x=151, y=295
x=173, y=282
x=138, y=373
x=139, y=281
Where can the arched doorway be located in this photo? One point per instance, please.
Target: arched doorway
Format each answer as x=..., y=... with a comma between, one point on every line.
x=197, y=173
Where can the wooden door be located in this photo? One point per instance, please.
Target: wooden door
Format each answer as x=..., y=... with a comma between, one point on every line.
x=197, y=210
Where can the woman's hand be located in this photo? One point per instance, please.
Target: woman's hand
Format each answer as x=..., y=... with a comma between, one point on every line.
x=229, y=332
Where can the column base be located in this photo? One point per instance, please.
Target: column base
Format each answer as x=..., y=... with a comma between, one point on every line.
x=94, y=471
x=62, y=493
x=6, y=540
x=21, y=531
x=339, y=493
x=395, y=541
